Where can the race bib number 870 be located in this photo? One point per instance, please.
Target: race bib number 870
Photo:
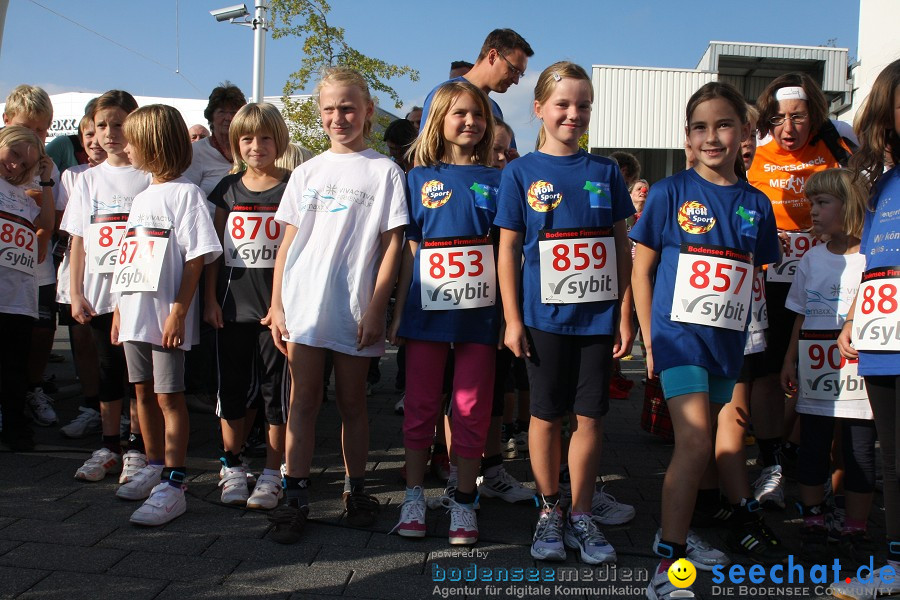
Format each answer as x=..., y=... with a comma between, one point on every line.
x=876, y=323
x=252, y=236
x=578, y=265
x=457, y=273
x=104, y=237
x=713, y=286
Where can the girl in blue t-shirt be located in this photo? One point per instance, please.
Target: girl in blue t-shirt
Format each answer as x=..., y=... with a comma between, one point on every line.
x=447, y=294
x=878, y=128
x=701, y=235
x=564, y=210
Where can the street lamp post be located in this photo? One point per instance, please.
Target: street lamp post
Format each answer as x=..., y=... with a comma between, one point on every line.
x=260, y=26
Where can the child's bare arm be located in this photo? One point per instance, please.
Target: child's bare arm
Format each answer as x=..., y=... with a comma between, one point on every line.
x=371, y=327
x=407, y=261
x=212, y=313
x=274, y=320
x=789, y=367
x=645, y=260
x=509, y=271
x=625, y=331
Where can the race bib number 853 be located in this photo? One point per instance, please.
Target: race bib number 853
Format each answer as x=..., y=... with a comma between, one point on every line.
x=457, y=273
x=578, y=265
x=713, y=286
x=876, y=323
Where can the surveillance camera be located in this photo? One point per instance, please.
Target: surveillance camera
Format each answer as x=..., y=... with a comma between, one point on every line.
x=230, y=12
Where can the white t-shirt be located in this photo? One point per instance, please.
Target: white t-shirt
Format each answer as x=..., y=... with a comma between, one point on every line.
x=103, y=190
x=66, y=186
x=46, y=273
x=824, y=287
x=179, y=206
x=18, y=290
x=340, y=205
x=207, y=169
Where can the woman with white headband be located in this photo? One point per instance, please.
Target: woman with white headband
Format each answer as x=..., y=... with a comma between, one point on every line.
x=796, y=139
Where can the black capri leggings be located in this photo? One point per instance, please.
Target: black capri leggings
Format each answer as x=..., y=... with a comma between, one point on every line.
x=857, y=448
x=884, y=396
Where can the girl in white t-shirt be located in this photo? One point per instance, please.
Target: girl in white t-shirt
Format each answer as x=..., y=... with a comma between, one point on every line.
x=344, y=213
x=21, y=156
x=168, y=239
x=829, y=386
x=95, y=218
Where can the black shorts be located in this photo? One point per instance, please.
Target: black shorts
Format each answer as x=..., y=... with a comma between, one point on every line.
x=46, y=307
x=113, y=369
x=754, y=367
x=64, y=315
x=569, y=373
x=251, y=370
x=781, y=324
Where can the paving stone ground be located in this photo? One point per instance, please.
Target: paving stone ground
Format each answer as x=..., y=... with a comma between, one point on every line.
x=61, y=538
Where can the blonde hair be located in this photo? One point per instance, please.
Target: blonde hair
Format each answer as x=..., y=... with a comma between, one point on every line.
x=159, y=134
x=840, y=183
x=252, y=119
x=348, y=77
x=16, y=134
x=294, y=156
x=752, y=116
x=547, y=81
x=29, y=101
x=430, y=146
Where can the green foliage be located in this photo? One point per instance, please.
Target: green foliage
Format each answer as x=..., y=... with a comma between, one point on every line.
x=583, y=141
x=324, y=46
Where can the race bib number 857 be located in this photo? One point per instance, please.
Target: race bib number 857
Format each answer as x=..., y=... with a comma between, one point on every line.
x=713, y=286
x=578, y=265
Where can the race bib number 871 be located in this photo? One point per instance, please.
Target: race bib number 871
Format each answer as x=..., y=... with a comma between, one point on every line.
x=141, y=256
x=457, y=273
x=713, y=286
x=578, y=265
x=876, y=322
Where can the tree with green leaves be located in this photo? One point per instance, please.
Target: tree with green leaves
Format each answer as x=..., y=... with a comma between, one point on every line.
x=324, y=45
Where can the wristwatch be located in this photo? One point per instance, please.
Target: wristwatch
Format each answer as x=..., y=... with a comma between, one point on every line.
x=48, y=183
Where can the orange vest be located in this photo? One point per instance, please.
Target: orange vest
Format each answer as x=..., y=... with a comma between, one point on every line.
x=782, y=175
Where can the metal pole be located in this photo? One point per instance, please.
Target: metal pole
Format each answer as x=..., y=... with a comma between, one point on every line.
x=260, y=27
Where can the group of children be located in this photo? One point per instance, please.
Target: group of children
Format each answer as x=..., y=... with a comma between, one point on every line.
x=534, y=256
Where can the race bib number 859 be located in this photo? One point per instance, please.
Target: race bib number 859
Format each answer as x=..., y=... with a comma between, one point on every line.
x=578, y=265
x=876, y=323
x=457, y=273
x=713, y=286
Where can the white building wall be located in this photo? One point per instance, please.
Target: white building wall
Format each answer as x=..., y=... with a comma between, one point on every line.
x=879, y=45
x=639, y=107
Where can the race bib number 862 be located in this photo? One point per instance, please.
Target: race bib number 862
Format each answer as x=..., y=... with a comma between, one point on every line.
x=713, y=286
x=18, y=243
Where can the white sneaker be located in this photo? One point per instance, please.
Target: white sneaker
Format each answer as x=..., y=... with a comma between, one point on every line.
x=508, y=449
x=445, y=498
x=142, y=484
x=267, y=493
x=165, y=503
x=661, y=588
x=234, y=486
x=547, y=543
x=412, y=516
x=875, y=587
x=505, y=487
x=701, y=554
x=100, y=463
x=463, y=525
x=87, y=422
x=606, y=511
x=768, y=489
x=132, y=462
x=245, y=463
x=41, y=406
x=582, y=535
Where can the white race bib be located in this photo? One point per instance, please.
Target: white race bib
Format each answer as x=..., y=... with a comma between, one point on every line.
x=759, y=313
x=104, y=236
x=799, y=243
x=713, y=286
x=578, y=265
x=876, y=323
x=18, y=243
x=252, y=236
x=141, y=256
x=824, y=374
x=457, y=273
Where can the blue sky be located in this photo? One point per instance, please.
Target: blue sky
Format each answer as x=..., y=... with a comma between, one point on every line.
x=424, y=34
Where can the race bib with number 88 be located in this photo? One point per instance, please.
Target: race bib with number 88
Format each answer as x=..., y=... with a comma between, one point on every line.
x=876, y=323
x=713, y=286
x=457, y=273
x=578, y=265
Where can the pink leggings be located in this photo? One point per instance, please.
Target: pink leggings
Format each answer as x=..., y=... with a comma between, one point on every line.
x=473, y=389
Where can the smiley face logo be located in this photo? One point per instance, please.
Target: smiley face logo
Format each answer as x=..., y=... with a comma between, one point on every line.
x=682, y=573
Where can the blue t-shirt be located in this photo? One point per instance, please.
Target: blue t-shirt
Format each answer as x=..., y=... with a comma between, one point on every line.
x=448, y=203
x=495, y=108
x=881, y=246
x=540, y=192
x=685, y=208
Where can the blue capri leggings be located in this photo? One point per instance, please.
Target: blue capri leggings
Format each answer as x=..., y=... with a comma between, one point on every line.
x=691, y=379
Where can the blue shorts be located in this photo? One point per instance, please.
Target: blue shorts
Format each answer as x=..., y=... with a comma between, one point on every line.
x=691, y=379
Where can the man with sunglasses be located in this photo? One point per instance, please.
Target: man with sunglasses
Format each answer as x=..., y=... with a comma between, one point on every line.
x=500, y=64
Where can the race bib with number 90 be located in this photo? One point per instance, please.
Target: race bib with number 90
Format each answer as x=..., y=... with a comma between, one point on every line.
x=823, y=373
x=799, y=243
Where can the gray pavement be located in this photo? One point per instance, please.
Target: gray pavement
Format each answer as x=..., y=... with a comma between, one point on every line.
x=61, y=538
